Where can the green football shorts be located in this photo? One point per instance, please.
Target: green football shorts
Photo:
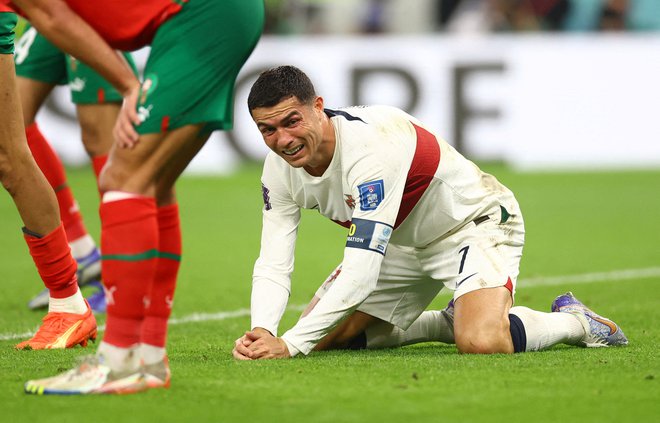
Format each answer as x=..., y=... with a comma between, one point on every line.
x=194, y=61
x=36, y=58
x=7, y=24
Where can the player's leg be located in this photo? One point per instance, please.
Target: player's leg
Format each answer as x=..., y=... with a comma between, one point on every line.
x=160, y=297
x=97, y=104
x=599, y=331
x=70, y=321
x=40, y=67
x=481, y=263
x=161, y=293
x=430, y=326
x=207, y=85
x=570, y=322
x=401, y=296
x=130, y=245
x=481, y=322
x=33, y=94
x=530, y=330
x=363, y=331
x=485, y=322
x=96, y=124
x=82, y=244
x=141, y=242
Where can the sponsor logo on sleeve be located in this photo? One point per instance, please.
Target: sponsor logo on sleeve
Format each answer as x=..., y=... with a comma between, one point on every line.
x=371, y=194
x=369, y=235
x=264, y=193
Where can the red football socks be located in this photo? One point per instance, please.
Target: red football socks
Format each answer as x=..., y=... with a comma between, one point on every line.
x=56, y=266
x=154, y=329
x=129, y=241
x=53, y=170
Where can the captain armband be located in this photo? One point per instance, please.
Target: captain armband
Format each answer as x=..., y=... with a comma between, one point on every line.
x=369, y=235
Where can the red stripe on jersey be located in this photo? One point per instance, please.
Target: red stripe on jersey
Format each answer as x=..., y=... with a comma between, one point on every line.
x=509, y=285
x=422, y=169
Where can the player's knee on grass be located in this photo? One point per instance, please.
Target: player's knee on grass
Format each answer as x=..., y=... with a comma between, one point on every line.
x=481, y=322
x=484, y=338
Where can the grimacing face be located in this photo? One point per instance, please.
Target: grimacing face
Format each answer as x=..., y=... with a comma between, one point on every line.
x=293, y=130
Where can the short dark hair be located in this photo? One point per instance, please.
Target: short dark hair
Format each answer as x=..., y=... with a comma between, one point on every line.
x=280, y=83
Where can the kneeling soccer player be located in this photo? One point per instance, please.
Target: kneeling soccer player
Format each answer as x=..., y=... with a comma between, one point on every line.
x=420, y=217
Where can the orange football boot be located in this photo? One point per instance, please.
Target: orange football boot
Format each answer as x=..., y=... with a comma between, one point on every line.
x=63, y=330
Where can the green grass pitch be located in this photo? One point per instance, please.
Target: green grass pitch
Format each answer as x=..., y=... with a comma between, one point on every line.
x=583, y=230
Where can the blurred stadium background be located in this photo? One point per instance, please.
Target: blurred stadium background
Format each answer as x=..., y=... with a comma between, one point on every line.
x=536, y=84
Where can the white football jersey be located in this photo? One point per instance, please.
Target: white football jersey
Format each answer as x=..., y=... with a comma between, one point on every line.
x=390, y=180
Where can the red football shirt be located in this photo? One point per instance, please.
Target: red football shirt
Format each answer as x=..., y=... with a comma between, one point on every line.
x=124, y=24
x=4, y=7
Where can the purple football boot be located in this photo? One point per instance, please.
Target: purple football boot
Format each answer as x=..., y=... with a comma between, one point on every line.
x=89, y=267
x=599, y=331
x=97, y=299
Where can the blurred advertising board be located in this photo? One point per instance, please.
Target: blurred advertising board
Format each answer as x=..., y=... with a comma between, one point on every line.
x=535, y=102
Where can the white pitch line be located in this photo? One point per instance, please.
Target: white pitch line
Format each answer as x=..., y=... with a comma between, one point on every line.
x=207, y=317
x=15, y=336
x=615, y=275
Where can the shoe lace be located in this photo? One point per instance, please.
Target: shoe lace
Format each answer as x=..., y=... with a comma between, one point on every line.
x=53, y=324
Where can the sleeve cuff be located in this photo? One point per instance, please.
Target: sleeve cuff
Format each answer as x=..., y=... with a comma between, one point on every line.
x=293, y=351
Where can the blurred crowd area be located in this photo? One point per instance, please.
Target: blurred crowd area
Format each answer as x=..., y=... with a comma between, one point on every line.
x=459, y=16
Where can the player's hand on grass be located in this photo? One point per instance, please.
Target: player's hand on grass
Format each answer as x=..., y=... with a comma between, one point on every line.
x=241, y=350
x=124, y=131
x=268, y=347
x=259, y=344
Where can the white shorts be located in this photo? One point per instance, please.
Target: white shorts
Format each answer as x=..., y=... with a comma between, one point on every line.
x=482, y=254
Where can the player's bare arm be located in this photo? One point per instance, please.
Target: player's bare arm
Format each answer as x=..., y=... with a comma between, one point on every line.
x=64, y=28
